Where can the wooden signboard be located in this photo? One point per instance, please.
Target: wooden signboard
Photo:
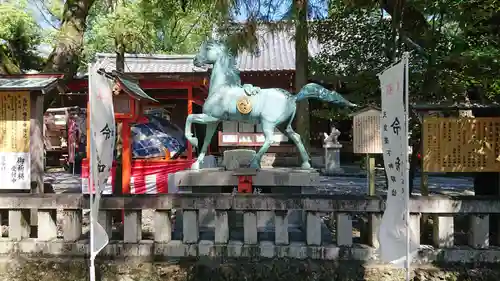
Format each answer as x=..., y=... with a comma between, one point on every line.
x=15, y=140
x=366, y=132
x=461, y=144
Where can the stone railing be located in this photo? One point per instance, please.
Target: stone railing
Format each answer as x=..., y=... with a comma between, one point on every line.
x=61, y=226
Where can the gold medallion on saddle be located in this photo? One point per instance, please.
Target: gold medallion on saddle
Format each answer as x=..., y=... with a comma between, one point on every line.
x=243, y=104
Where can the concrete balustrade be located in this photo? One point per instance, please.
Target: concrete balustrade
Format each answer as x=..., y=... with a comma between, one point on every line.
x=64, y=235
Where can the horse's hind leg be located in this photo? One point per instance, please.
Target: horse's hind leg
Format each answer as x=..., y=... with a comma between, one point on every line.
x=287, y=130
x=268, y=130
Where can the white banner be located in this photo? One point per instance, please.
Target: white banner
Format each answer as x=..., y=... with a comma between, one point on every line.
x=102, y=143
x=394, y=225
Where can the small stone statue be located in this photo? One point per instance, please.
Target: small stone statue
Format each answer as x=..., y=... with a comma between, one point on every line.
x=333, y=138
x=332, y=152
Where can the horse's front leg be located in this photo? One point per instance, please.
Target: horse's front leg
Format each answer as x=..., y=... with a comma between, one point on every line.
x=268, y=130
x=209, y=132
x=211, y=123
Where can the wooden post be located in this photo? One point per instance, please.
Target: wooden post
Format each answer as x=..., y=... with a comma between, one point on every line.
x=87, y=147
x=36, y=150
x=190, y=111
x=370, y=171
x=373, y=219
x=424, y=186
x=126, y=157
x=424, y=178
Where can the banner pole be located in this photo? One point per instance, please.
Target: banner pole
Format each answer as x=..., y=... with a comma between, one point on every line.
x=92, y=188
x=407, y=171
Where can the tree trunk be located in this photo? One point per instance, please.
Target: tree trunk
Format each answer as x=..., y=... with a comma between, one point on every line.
x=301, y=70
x=7, y=65
x=414, y=24
x=416, y=148
x=65, y=56
x=120, y=55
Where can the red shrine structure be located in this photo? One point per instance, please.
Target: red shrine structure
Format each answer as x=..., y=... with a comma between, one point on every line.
x=139, y=176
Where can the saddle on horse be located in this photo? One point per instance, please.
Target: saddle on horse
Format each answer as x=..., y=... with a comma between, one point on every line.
x=251, y=90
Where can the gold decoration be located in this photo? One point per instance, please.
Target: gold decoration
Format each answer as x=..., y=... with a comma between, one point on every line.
x=243, y=105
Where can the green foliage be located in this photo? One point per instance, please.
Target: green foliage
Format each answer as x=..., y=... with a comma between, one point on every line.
x=123, y=24
x=179, y=28
x=460, y=59
x=354, y=49
x=145, y=27
x=19, y=37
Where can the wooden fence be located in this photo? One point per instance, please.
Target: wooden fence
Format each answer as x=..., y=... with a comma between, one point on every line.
x=60, y=226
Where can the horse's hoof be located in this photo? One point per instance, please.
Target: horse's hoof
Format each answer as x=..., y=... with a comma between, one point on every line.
x=255, y=165
x=195, y=166
x=193, y=141
x=306, y=166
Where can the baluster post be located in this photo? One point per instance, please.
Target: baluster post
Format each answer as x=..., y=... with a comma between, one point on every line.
x=344, y=229
x=132, y=226
x=162, y=226
x=190, y=227
x=19, y=224
x=479, y=236
x=47, y=224
x=313, y=229
x=281, y=228
x=250, y=227
x=221, y=227
x=443, y=231
x=72, y=225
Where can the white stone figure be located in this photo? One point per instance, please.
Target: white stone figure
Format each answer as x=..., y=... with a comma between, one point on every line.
x=332, y=152
x=332, y=138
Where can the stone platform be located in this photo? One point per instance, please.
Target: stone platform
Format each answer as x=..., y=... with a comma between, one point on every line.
x=269, y=180
x=265, y=180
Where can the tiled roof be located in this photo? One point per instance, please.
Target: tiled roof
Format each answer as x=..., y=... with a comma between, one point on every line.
x=276, y=53
x=142, y=63
x=26, y=83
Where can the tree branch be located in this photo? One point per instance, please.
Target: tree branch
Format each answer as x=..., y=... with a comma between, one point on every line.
x=187, y=33
x=414, y=22
x=44, y=10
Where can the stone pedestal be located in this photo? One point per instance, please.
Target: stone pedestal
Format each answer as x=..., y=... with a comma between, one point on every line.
x=332, y=152
x=332, y=159
x=237, y=158
x=271, y=180
x=265, y=180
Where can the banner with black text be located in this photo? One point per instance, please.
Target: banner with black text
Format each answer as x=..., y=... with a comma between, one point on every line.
x=102, y=143
x=394, y=225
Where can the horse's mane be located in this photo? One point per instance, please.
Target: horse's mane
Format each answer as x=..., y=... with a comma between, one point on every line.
x=228, y=60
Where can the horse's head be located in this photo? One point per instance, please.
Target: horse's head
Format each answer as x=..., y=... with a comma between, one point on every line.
x=210, y=51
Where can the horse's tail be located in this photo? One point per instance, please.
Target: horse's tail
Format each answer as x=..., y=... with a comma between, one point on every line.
x=313, y=90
